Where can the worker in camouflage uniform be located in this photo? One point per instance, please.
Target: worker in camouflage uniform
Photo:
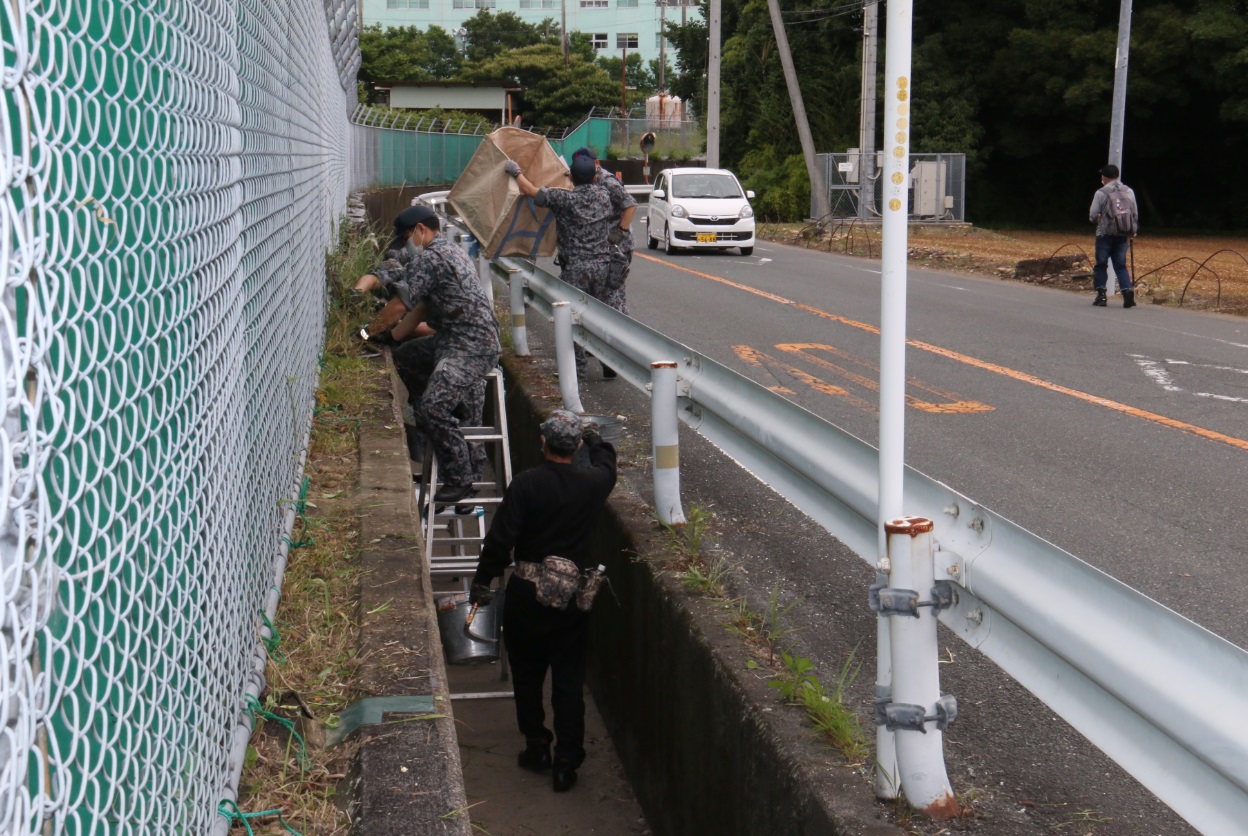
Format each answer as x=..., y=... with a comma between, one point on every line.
x=444, y=373
x=620, y=236
x=582, y=228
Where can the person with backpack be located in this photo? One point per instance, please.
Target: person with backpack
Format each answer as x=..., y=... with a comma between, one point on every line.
x=1117, y=221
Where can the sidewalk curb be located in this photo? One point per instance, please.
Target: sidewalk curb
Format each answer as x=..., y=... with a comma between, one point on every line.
x=406, y=777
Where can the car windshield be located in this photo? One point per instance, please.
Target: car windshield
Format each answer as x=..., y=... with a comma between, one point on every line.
x=705, y=186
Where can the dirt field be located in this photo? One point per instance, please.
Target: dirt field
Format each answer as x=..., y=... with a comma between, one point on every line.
x=1207, y=273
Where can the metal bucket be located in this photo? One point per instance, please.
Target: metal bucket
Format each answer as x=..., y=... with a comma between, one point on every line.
x=609, y=427
x=460, y=648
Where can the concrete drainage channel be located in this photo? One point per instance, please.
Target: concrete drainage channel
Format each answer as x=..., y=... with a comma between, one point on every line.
x=700, y=742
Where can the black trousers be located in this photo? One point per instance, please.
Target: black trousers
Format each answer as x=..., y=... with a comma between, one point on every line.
x=539, y=639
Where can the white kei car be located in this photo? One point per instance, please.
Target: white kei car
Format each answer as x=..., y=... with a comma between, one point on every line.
x=702, y=208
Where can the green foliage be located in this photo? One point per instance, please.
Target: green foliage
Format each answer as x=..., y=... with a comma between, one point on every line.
x=781, y=184
x=491, y=34
x=406, y=53
x=1022, y=87
x=554, y=94
x=798, y=684
x=640, y=80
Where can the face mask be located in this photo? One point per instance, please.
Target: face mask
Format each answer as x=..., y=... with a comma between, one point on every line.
x=413, y=249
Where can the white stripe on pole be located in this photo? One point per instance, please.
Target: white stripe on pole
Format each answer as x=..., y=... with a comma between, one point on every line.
x=916, y=672
x=519, y=331
x=894, y=228
x=565, y=354
x=665, y=438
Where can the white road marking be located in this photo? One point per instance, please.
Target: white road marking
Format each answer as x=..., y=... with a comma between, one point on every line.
x=1189, y=334
x=764, y=261
x=1161, y=376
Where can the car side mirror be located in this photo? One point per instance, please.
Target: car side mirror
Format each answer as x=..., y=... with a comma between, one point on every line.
x=749, y=194
x=658, y=194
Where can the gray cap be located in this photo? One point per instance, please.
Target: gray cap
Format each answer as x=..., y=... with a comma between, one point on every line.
x=562, y=429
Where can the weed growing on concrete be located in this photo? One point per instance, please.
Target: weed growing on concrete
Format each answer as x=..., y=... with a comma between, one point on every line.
x=839, y=725
x=707, y=578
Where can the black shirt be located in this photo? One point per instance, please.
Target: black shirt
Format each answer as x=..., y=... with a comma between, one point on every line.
x=549, y=509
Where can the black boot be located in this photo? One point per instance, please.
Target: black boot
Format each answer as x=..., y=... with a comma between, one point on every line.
x=1100, y=300
x=1128, y=298
x=562, y=778
x=534, y=757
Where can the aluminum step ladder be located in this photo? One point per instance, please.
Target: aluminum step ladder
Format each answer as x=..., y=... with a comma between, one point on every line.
x=453, y=533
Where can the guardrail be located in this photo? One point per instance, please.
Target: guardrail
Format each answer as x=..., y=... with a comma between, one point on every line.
x=1159, y=694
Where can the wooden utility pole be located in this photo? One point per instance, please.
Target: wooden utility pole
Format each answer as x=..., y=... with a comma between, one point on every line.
x=818, y=188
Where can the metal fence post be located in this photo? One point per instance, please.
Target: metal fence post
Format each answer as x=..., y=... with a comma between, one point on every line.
x=665, y=442
x=569, y=388
x=519, y=331
x=917, y=713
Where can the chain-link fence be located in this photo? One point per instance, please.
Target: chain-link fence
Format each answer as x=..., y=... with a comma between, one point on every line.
x=937, y=186
x=173, y=172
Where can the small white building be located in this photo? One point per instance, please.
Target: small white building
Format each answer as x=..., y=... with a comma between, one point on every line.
x=491, y=99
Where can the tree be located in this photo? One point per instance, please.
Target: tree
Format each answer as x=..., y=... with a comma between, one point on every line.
x=493, y=33
x=406, y=53
x=640, y=81
x=553, y=95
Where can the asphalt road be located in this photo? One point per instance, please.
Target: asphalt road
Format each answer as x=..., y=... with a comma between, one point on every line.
x=1119, y=435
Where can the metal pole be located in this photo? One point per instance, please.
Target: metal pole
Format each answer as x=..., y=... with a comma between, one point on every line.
x=916, y=675
x=892, y=331
x=519, y=330
x=565, y=354
x=818, y=187
x=1120, y=84
x=712, y=85
x=866, y=136
x=665, y=438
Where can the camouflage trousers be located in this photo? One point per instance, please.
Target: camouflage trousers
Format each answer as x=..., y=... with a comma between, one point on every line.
x=444, y=393
x=605, y=282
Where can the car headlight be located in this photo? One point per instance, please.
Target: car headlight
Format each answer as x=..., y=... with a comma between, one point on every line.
x=746, y=212
x=678, y=211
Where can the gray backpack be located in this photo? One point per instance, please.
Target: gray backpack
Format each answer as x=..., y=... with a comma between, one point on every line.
x=1120, y=208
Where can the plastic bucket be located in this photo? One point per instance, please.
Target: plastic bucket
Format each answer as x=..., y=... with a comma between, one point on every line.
x=460, y=648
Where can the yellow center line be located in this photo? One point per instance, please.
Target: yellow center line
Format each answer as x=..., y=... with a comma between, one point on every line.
x=1005, y=371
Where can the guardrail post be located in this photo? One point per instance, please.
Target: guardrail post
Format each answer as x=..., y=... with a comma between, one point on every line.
x=917, y=712
x=569, y=387
x=519, y=331
x=665, y=442
x=473, y=248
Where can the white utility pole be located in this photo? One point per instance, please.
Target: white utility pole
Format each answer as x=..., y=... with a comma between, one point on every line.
x=1120, y=84
x=866, y=137
x=818, y=187
x=712, y=85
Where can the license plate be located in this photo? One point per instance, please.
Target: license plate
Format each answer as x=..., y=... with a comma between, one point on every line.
x=707, y=237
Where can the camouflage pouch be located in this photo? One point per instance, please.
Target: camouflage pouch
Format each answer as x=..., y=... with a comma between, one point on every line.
x=558, y=582
x=589, y=589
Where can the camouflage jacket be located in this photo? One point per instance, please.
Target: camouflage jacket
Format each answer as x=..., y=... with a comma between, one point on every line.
x=445, y=279
x=582, y=221
x=620, y=198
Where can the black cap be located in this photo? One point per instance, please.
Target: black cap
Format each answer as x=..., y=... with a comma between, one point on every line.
x=406, y=221
x=1110, y=171
x=583, y=171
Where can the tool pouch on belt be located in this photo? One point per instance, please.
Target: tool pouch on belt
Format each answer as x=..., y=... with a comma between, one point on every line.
x=557, y=582
x=589, y=589
x=617, y=268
